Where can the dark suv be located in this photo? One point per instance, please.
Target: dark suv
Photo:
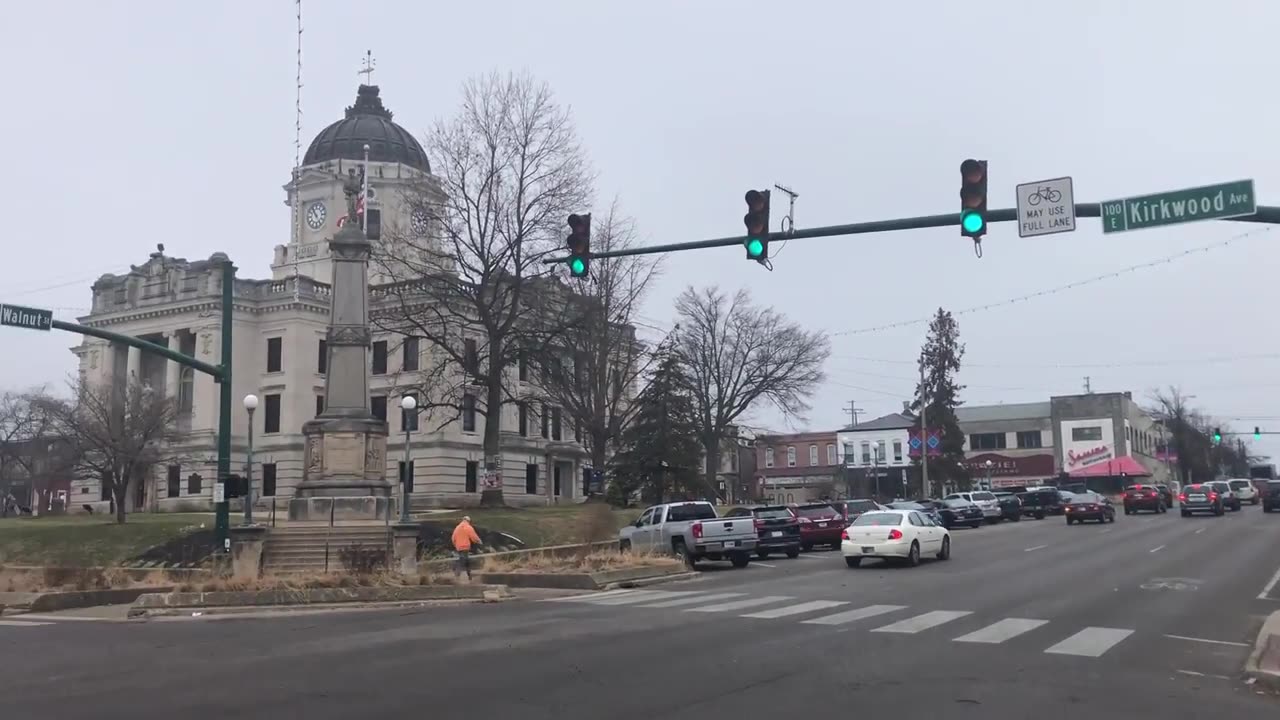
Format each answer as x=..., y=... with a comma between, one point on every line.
x=1271, y=496
x=1143, y=497
x=1201, y=497
x=1038, y=502
x=777, y=529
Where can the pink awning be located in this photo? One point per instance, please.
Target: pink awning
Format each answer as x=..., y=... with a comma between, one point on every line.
x=1113, y=468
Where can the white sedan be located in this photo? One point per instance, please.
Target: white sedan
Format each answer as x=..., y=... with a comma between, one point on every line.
x=894, y=534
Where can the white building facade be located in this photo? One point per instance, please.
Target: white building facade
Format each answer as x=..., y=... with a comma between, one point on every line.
x=278, y=332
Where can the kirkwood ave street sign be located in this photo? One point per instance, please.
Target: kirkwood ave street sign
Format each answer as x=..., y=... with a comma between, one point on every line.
x=1211, y=202
x=26, y=317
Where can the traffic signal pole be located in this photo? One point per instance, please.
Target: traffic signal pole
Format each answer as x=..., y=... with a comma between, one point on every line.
x=1269, y=214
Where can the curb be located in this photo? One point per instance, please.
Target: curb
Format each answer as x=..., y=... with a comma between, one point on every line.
x=229, y=613
x=1263, y=664
x=184, y=603
x=645, y=582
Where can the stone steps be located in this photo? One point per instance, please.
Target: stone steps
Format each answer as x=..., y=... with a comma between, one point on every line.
x=303, y=548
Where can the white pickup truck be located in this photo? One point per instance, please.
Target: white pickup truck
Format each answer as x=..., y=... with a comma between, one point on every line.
x=692, y=531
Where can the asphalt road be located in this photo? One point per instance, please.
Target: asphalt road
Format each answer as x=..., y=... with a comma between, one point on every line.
x=1151, y=616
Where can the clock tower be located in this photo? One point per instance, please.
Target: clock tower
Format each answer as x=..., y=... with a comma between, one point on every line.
x=395, y=169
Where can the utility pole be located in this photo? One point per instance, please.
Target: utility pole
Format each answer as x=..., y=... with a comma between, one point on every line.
x=924, y=437
x=854, y=412
x=1088, y=388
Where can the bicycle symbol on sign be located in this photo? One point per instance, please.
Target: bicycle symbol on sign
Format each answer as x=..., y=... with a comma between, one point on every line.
x=1045, y=193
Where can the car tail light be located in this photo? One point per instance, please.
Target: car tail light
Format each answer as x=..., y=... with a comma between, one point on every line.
x=844, y=534
x=1066, y=508
x=1213, y=496
x=895, y=534
x=697, y=530
x=1182, y=497
x=759, y=523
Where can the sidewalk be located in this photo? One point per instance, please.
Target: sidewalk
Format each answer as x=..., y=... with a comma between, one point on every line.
x=1264, y=663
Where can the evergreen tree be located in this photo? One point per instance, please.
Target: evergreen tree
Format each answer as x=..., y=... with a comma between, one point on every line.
x=939, y=363
x=659, y=450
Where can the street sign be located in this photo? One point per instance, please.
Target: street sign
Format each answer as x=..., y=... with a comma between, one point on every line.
x=26, y=317
x=1046, y=207
x=1211, y=202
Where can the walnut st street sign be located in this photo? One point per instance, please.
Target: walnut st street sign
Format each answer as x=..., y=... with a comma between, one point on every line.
x=26, y=317
x=1211, y=202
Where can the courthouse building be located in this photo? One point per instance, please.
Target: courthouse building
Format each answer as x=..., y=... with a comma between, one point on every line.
x=278, y=340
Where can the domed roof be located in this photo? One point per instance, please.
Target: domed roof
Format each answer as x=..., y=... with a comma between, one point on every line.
x=367, y=123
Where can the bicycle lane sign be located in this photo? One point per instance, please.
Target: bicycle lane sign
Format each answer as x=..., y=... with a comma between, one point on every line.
x=1046, y=207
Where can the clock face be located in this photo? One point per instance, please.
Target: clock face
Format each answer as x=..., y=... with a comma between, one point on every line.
x=315, y=215
x=418, y=223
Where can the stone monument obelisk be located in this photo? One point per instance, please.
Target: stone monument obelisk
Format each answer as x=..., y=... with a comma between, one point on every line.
x=345, y=461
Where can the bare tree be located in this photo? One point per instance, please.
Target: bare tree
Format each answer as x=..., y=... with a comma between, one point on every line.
x=470, y=279
x=736, y=354
x=30, y=449
x=607, y=359
x=118, y=435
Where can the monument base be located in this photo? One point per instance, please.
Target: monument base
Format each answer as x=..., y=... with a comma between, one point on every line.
x=342, y=509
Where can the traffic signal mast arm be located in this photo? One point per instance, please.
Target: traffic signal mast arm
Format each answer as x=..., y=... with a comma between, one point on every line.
x=1265, y=214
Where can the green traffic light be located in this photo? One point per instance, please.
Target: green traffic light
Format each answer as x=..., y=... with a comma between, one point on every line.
x=972, y=222
x=577, y=267
x=755, y=247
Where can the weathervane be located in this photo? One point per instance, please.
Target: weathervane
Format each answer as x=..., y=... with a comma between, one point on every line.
x=367, y=70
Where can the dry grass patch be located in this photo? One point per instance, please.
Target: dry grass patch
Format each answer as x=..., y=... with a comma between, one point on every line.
x=314, y=582
x=64, y=579
x=597, y=561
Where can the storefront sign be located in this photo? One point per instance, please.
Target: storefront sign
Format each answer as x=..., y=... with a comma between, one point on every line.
x=1025, y=466
x=1077, y=459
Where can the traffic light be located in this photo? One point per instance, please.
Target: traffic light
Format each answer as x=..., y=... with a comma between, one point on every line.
x=973, y=198
x=757, y=222
x=1257, y=433
x=579, y=243
x=1217, y=436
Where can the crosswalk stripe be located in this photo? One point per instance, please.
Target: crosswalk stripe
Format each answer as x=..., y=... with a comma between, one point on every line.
x=849, y=616
x=697, y=598
x=1003, y=630
x=740, y=604
x=796, y=609
x=635, y=597
x=1090, y=642
x=21, y=623
x=590, y=596
x=923, y=622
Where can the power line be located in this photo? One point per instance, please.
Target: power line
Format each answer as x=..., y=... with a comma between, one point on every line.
x=1084, y=366
x=1167, y=259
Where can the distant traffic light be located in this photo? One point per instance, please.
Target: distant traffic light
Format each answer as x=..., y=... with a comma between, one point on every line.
x=757, y=222
x=973, y=198
x=1217, y=436
x=1257, y=433
x=579, y=243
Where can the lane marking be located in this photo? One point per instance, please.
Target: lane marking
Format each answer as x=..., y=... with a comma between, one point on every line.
x=1002, y=630
x=1207, y=640
x=763, y=564
x=913, y=625
x=635, y=596
x=1271, y=584
x=796, y=609
x=1090, y=642
x=849, y=616
x=1104, y=532
x=1037, y=547
x=1157, y=548
x=586, y=596
x=741, y=604
x=692, y=600
x=1198, y=531
x=21, y=623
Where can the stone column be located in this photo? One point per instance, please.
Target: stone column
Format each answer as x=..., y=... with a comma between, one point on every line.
x=172, y=370
x=134, y=366
x=404, y=548
x=247, y=542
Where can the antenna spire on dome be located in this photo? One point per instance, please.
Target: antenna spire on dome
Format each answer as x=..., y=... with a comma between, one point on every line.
x=367, y=69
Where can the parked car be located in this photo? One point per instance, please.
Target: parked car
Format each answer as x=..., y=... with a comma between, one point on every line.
x=895, y=535
x=853, y=507
x=1167, y=493
x=692, y=531
x=959, y=512
x=928, y=507
x=820, y=524
x=983, y=499
x=1230, y=500
x=1089, y=506
x=777, y=529
x=1245, y=491
x=1143, y=497
x=1010, y=506
x=1037, y=502
x=1271, y=496
x=1200, y=497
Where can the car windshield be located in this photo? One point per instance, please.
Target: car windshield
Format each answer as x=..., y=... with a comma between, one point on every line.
x=1085, y=498
x=1198, y=488
x=773, y=513
x=812, y=511
x=907, y=505
x=879, y=519
x=956, y=503
x=1239, y=484
x=860, y=506
x=983, y=496
x=691, y=511
x=1136, y=488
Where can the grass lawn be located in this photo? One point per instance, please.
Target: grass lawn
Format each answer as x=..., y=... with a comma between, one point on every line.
x=90, y=540
x=555, y=525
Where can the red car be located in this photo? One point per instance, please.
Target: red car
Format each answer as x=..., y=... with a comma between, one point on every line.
x=820, y=524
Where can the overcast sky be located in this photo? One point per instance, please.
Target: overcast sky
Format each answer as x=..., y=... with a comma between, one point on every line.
x=132, y=123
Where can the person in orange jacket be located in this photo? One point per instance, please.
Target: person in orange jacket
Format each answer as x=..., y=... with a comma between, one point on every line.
x=464, y=539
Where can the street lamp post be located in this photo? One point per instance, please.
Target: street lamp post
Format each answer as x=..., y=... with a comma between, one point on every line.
x=250, y=404
x=989, y=465
x=409, y=404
